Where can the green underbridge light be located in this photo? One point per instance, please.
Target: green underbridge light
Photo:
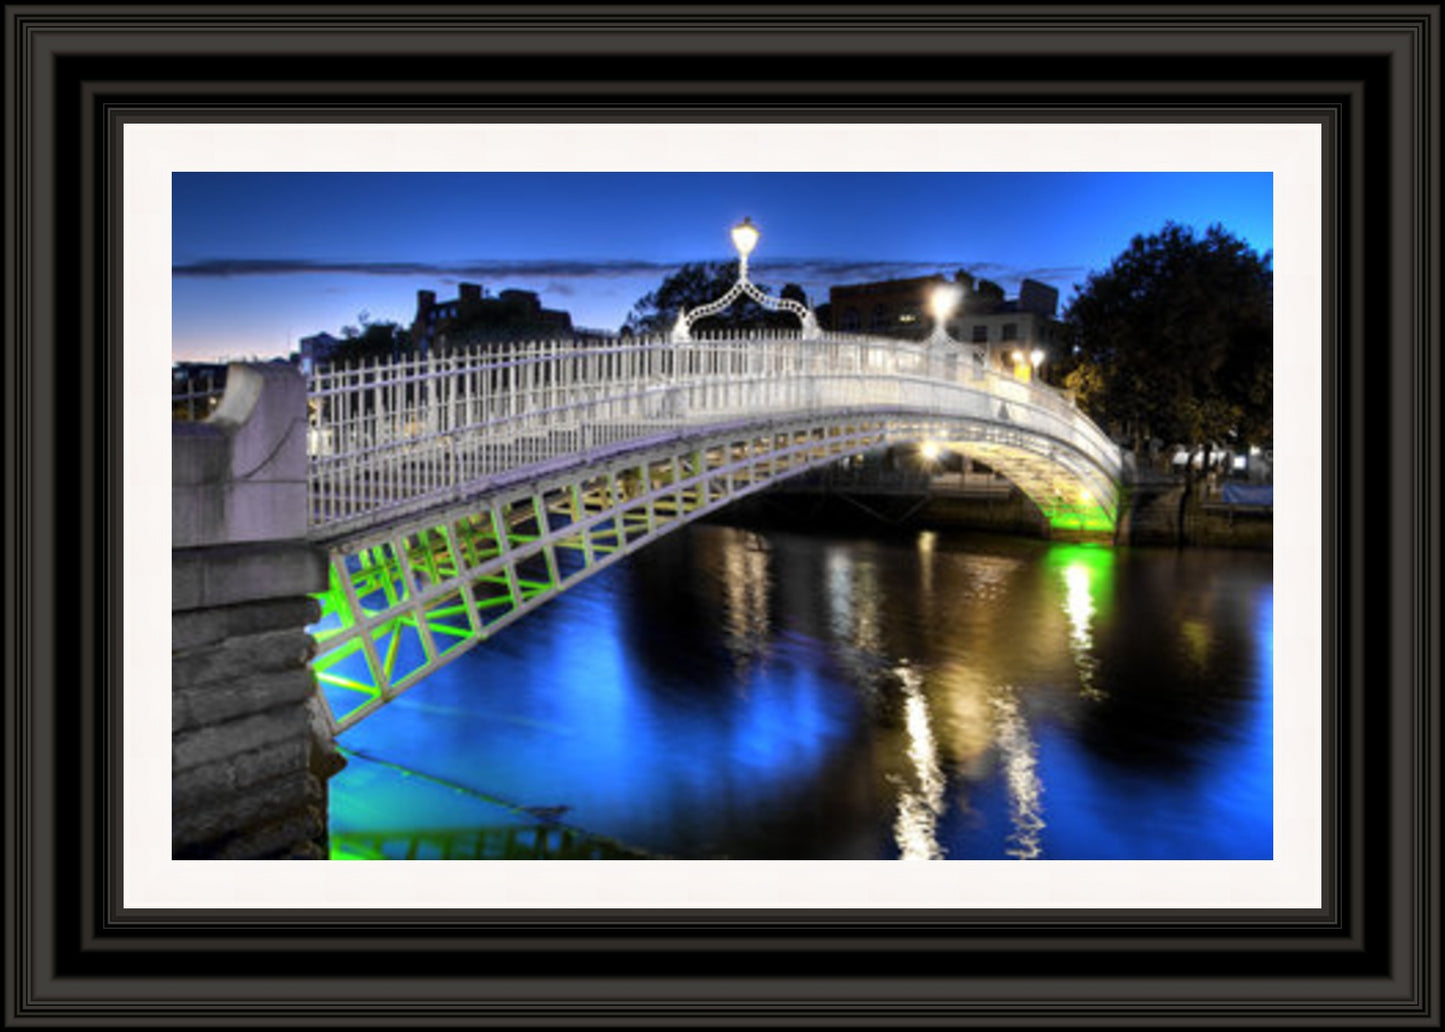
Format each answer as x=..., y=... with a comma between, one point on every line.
x=1083, y=514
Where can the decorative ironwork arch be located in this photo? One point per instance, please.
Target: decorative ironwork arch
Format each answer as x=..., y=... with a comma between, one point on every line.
x=682, y=329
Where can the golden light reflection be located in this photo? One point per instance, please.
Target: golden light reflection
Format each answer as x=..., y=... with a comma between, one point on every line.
x=1079, y=607
x=920, y=805
x=1197, y=639
x=1020, y=763
x=926, y=542
x=745, y=597
x=963, y=723
x=853, y=600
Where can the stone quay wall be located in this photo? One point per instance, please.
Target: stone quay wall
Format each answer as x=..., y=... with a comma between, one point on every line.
x=250, y=748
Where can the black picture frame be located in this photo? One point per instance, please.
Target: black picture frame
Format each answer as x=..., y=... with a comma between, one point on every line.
x=1368, y=75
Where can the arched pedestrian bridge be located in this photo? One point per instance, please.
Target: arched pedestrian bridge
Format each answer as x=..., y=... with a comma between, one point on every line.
x=456, y=492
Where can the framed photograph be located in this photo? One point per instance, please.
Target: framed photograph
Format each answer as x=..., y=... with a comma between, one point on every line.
x=128, y=129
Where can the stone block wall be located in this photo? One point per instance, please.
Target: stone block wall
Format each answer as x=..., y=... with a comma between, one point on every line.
x=250, y=748
x=249, y=751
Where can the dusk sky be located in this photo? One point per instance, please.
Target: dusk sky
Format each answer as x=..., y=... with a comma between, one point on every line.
x=260, y=260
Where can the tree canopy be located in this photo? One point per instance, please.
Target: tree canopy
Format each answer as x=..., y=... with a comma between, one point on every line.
x=1174, y=341
x=383, y=340
x=698, y=283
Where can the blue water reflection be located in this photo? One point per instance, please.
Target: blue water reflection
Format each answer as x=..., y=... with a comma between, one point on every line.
x=737, y=693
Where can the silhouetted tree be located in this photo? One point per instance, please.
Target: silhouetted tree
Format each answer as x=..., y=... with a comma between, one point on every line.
x=1175, y=341
x=383, y=340
x=793, y=292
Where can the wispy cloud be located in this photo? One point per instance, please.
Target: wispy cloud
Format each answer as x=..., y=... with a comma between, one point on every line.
x=817, y=272
x=230, y=267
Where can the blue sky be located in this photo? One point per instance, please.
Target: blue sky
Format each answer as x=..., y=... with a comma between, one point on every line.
x=262, y=259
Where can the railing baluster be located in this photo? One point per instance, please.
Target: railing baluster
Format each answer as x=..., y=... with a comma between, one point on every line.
x=411, y=430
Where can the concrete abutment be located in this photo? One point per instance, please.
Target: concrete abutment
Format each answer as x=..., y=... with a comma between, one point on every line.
x=251, y=751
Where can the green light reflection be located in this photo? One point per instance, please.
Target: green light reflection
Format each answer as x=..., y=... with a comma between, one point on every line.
x=1087, y=572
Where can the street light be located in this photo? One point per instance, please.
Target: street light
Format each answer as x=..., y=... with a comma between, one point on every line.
x=944, y=302
x=1036, y=358
x=745, y=237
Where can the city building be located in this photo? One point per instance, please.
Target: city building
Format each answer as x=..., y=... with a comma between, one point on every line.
x=1020, y=334
x=896, y=308
x=474, y=316
x=1009, y=330
x=319, y=347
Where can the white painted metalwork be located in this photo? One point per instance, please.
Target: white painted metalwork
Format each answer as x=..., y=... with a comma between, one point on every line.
x=388, y=439
x=745, y=238
x=944, y=302
x=410, y=597
x=458, y=491
x=196, y=393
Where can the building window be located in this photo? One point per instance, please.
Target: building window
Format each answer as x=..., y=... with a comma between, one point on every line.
x=852, y=321
x=1010, y=331
x=980, y=334
x=880, y=318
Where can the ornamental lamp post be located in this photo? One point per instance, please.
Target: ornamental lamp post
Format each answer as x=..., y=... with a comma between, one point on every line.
x=943, y=349
x=1036, y=359
x=745, y=237
x=944, y=302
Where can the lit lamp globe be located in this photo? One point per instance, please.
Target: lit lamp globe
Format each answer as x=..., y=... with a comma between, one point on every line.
x=945, y=301
x=745, y=237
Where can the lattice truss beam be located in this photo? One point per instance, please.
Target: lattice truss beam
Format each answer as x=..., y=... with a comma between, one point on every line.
x=408, y=600
x=1070, y=491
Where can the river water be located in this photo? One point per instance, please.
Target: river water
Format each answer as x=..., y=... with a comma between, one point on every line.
x=747, y=694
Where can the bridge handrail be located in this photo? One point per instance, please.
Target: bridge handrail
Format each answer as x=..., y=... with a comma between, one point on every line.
x=383, y=433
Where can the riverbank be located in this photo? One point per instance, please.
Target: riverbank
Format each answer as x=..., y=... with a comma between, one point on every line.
x=1158, y=515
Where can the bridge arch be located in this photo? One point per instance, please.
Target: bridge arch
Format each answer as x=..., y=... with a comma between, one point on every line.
x=458, y=492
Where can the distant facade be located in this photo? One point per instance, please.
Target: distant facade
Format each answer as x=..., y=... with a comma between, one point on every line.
x=1014, y=328
x=474, y=316
x=1008, y=330
x=320, y=347
x=896, y=308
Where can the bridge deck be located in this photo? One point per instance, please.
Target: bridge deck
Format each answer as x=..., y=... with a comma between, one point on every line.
x=458, y=492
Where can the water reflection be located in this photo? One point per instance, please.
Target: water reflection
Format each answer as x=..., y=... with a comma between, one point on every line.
x=1088, y=576
x=746, y=586
x=851, y=604
x=761, y=694
x=920, y=800
x=1020, y=765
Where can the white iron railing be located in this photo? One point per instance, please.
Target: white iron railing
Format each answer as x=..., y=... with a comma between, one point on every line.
x=393, y=437
x=195, y=393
